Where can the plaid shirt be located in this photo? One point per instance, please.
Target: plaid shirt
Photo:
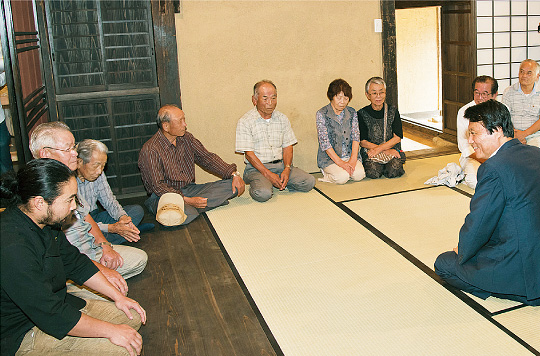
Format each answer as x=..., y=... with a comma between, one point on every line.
x=100, y=190
x=266, y=138
x=524, y=109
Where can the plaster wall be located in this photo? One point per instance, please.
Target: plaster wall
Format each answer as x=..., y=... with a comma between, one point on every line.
x=224, y=47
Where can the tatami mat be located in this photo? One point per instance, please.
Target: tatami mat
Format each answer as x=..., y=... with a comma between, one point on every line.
x=525, y=323
x=424, y=222
x=327, y=286
x=417, y=172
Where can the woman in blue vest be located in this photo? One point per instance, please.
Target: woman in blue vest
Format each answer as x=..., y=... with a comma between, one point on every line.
x=339, y=137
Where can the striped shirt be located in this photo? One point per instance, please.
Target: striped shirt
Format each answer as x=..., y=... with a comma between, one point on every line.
x=78, y=234
x=524, y=108
x=100, y=190
x=168, y=168
x=266, y=138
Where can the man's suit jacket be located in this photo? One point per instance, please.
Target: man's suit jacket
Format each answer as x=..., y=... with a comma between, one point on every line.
x=499, y=243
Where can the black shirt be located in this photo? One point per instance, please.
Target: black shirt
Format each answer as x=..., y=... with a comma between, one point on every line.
x=396, y=124
x=35, y=264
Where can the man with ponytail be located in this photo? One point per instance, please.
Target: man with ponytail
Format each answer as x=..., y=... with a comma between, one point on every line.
x=37, y=314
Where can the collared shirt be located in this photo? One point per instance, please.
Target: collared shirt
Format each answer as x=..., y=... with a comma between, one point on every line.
x=462, y=132
x=524, y=108
x=266, y=138
x=35, y=264
x=168, y=168
x=322, y=132
x=99, y=190
x=78, y=233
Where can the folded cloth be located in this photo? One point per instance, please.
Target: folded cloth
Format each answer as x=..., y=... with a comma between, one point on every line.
x=382, y=158
x=450, y=176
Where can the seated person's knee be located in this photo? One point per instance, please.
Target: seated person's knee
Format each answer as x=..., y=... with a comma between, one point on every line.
x=394, y=169
x=341, y=177
x=260, y=194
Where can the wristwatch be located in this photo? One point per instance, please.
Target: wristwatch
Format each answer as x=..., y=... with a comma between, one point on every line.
x=236, y=174
x=107, y=243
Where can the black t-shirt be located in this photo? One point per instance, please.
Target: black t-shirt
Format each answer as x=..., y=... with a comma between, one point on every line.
x=396, y=125
x=35, y=264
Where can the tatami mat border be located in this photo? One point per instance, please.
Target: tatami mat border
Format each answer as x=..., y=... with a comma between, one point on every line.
x=254, y=307
x=431, y=273
x=417, y=263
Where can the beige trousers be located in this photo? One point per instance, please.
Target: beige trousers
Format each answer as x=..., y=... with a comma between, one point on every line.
x=37, y=342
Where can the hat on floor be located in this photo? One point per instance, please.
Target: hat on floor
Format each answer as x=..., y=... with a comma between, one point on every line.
x=170, y=211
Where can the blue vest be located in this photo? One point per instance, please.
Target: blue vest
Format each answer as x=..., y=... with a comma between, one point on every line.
x=337, y=134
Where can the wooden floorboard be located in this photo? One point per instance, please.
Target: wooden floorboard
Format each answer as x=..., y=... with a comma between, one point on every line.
x=194, y=304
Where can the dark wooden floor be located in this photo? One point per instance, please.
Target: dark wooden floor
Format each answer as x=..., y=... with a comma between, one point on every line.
x=194, y=304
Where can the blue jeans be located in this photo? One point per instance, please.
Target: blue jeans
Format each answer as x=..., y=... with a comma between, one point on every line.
x=135, y=212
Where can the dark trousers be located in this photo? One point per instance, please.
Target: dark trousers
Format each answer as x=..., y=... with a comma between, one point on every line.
x=446, y=267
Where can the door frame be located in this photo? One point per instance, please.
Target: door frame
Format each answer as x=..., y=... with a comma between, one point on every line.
x=388, y=15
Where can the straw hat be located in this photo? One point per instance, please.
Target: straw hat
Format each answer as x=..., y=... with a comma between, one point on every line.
x=170, y=211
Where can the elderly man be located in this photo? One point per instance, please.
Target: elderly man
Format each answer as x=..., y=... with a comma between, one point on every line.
x=484, y=88
x=265, y=137
x=55, y=140
x=118, y=224
x=523, y=100
x=167, y=163
x=498, y=252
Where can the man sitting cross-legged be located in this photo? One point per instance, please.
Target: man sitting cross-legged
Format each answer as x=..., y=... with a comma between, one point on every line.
x=167, y=163
x=38, y=316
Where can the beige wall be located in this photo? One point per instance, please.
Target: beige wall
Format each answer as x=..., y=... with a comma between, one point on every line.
x=224, y=47
x=417, y=52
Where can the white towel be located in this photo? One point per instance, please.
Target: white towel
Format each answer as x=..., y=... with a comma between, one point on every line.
x=450, y=176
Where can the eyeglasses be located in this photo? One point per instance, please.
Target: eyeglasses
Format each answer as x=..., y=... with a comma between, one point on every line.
x=67, y=150
x=482, y=95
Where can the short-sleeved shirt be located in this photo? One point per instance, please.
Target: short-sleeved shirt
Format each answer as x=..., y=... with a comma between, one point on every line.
x=35, y=264
x=266, y=138
x=524, y=108
x=379, y=115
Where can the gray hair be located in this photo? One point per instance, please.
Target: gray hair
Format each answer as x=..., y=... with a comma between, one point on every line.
x=537, y=66
x=44, y=136
x=164, y=114
x=86, y=148
x=375, y=80
x=258, y=85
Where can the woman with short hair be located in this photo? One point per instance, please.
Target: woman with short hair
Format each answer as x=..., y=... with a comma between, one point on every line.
x=339, y=138
x=380, y=133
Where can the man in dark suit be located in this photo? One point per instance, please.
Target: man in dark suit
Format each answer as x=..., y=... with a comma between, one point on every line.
x=498, y=253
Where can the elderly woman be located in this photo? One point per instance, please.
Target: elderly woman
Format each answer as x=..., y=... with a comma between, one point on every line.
x=339, y=138
x=380, y=134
